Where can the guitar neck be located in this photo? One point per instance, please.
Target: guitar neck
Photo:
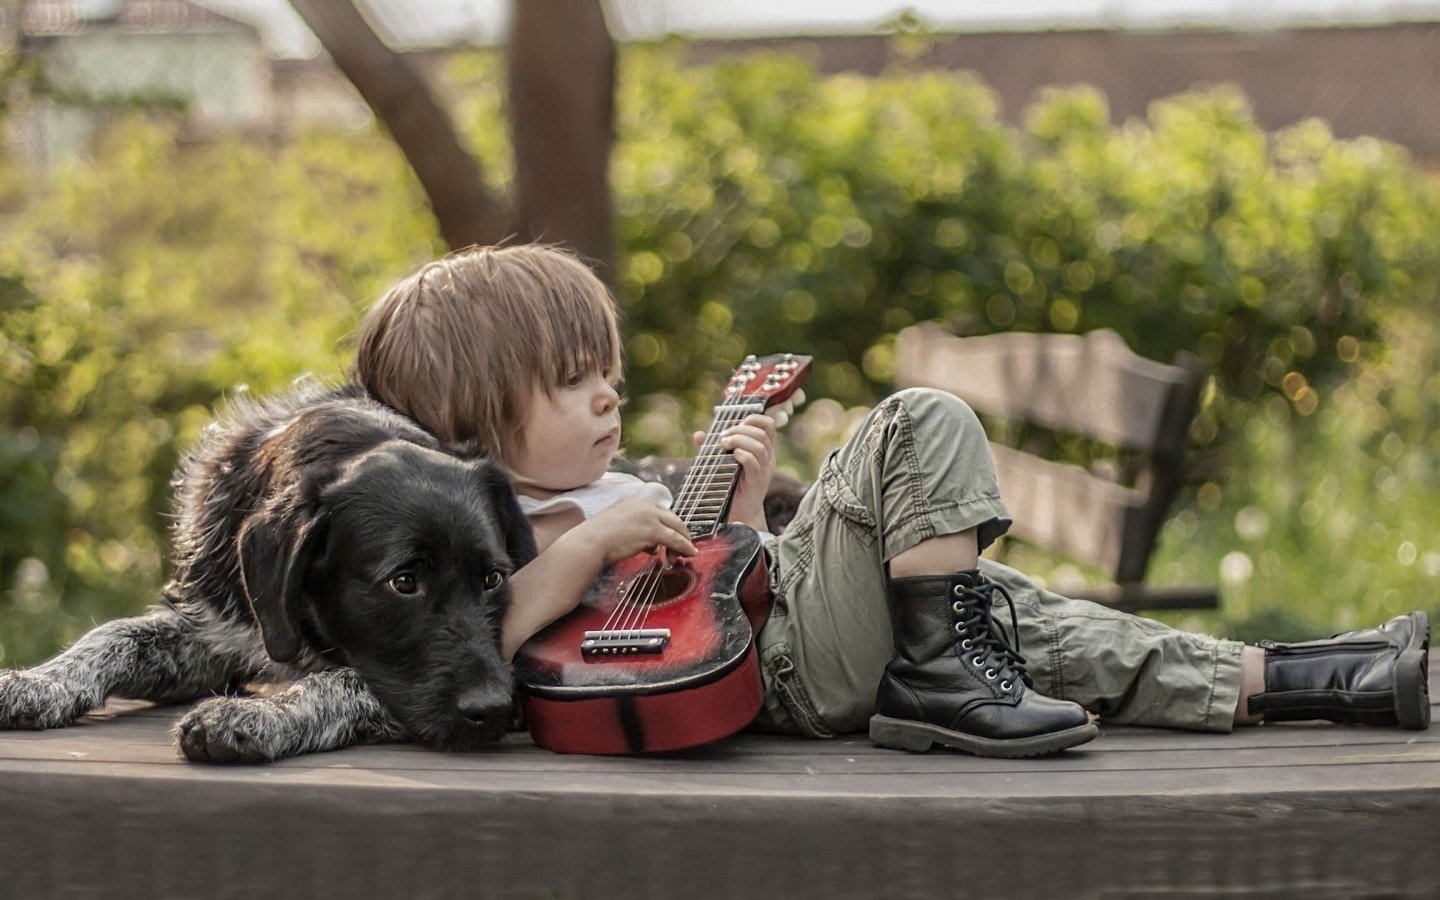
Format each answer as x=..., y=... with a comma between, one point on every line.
x=759, y=383
x=704, y=497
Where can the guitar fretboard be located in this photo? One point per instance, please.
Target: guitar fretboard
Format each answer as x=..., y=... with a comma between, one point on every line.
x=705, y=495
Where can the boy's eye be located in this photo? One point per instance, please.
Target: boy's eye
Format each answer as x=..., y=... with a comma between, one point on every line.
x=574, y=379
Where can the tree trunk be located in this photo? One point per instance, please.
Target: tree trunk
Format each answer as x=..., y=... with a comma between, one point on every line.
x=562, y=110
x=401, y=99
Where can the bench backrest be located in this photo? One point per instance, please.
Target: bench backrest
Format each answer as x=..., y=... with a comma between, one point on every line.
x=1091, y=385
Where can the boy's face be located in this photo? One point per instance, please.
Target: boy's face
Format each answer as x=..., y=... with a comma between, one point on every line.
x=570, y=435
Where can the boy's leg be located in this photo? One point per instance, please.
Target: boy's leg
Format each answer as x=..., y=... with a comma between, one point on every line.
x=918, y=469
x=1128, y=669
x=1136, y=671
x=1374, y=676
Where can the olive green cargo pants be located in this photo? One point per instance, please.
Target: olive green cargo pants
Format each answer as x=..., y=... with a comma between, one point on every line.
x=919, y=467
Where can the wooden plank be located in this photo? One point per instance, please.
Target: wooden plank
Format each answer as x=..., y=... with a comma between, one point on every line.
x=153, y=839
x=1088, y=384
x=1063, y=507
x=1095, y=770
x=106, y=809
x=1136, y=597
x=139, y=738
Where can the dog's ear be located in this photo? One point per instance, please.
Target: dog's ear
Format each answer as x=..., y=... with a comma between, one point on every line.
x=275, y=549
x=514, y=525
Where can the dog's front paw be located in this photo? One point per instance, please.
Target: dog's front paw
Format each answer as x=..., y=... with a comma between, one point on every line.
x=28, y=700
x=229, y=729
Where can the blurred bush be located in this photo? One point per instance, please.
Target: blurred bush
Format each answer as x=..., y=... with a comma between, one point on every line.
x=761, y=207
x=776, y=209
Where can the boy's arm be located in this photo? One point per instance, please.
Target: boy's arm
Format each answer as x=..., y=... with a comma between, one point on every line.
x=555, y=582
x=549, y=587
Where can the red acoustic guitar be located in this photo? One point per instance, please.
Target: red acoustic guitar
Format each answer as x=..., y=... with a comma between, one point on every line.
x=661, y=655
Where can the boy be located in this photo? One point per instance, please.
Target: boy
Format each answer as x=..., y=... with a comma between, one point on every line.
x=883, y=608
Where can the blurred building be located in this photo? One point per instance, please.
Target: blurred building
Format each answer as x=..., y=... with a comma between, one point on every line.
x=101, y=54
x=1379, y=80
x=1362, y=77
x=1376, y=80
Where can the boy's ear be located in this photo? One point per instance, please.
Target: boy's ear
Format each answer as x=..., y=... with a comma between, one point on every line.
x=514, y=525
x=276, y=548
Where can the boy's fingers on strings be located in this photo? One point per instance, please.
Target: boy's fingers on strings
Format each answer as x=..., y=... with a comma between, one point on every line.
x=754, y=438
x=766, y=422
x=748, y=462
x=674, y=535
x=748, y=451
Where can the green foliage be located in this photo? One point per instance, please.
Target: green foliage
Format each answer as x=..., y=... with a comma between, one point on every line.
x=138, y=288
x=824, y=214
x=760, y=207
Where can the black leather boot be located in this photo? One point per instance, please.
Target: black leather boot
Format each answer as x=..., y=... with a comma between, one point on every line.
x=1377, y=676
x=955, y=681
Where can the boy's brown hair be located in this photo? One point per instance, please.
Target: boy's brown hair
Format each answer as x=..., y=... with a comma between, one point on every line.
x=460, y=345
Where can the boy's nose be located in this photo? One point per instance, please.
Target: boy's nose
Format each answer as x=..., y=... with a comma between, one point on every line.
x=607, y=399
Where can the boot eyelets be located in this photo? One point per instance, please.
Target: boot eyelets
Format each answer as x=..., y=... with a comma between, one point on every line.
x=1006, y=685
x=967, y=644
x=958, y=607
x=959, y=627
x=978, y=662
x=958, y=591
x=990, y=674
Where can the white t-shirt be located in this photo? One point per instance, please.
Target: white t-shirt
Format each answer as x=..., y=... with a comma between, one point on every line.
x=600, y=495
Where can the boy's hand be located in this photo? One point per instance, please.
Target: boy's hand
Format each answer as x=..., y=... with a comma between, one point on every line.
x=630, y=526
x=753, y=443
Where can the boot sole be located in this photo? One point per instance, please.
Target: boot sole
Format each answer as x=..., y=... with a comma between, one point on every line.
x=1412, y=677
x=918, y=737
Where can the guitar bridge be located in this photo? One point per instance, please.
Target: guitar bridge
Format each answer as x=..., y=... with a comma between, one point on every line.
x=624, y=641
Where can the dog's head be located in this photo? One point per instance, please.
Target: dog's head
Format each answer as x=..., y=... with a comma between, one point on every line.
x=397, y=564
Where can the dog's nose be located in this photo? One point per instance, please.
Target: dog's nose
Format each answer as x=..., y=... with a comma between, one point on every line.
x=485, y=707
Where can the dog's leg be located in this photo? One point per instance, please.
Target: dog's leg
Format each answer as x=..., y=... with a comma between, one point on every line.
x=322, y=711
x=159, y=656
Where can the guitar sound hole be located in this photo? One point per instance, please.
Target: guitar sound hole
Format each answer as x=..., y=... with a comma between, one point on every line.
x=673, y=584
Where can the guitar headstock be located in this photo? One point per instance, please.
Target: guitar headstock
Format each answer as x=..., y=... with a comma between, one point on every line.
x=768, y=379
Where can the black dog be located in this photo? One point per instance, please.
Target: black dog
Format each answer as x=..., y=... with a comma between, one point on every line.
x=324, y=539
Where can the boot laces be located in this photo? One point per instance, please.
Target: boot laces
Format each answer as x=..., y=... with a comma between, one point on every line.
x=974, y=608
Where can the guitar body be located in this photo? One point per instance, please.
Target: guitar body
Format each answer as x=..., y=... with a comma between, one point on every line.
x=662, y=656
x=702, y=686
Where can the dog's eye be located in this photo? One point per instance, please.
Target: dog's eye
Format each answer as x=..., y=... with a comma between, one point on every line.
x=493, y=579
x=404, y=583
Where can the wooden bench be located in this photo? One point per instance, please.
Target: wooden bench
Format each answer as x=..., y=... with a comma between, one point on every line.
x=108, y=810
x=1094, y=387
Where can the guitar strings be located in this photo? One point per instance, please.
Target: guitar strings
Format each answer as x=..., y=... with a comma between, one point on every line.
x=634, y=608
x=631, y=612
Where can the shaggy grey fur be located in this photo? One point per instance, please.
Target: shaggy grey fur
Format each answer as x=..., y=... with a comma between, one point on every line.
x=324, y=540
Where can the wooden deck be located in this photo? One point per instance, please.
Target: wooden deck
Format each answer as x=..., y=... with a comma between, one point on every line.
x=106, y=809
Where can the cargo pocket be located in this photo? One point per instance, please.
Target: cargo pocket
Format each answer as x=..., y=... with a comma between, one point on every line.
x=780, y=673
x=841, y=497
